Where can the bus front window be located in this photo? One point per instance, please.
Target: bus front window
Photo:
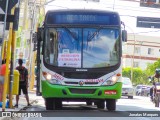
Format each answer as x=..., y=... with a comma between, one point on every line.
x=65, y=47
x=100, y=47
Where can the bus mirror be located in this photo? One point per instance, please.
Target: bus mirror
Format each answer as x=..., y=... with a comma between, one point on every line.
x=40, y=34
x=124, y=35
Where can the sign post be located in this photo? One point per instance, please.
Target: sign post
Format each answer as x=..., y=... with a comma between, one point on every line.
x=149, y=22
x=7, y=17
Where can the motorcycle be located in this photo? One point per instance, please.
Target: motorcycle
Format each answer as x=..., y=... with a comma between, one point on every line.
x=155, y=97
x=155, y=90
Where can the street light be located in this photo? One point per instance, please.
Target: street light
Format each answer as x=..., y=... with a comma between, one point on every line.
x=132, y=63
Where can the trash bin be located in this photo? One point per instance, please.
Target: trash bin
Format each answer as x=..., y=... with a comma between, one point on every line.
x=15, y=87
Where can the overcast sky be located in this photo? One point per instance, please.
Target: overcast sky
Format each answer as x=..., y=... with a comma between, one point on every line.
x=128, y=11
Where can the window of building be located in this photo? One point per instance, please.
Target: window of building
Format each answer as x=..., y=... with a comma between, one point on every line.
x=136, y=64
x=150, y=51
x=137, y=50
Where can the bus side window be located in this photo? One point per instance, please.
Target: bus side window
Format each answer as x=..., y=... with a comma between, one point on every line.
x=51, y=47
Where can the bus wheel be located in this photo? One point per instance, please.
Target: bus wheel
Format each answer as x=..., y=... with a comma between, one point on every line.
x=49, y=104
x=58, y=104
x=89, y=102
x=111, y=104
x=100, y=104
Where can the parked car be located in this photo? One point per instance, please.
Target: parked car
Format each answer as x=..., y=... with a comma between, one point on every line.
x=146, y=91
x=138, y=89
x=143, y=89
x=127, y=87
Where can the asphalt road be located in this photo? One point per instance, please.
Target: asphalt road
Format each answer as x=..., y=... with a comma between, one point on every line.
x=138, y=108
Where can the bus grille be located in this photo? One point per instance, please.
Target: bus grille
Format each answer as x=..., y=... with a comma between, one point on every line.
x=73, y=83
x=76, y=83
x=82, y=91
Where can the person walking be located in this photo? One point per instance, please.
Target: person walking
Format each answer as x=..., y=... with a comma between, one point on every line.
x=23, y=82
x=2, y=75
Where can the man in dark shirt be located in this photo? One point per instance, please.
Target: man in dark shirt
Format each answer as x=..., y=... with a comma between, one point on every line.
x=23, y=82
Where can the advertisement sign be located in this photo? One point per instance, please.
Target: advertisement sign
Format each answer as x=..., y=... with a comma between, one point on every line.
x=69, y=59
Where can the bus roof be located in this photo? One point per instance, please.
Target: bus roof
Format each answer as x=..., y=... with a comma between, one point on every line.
x=82, y=16
x=83, y=10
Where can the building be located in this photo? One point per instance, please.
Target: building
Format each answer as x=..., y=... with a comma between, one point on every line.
x=145, y=49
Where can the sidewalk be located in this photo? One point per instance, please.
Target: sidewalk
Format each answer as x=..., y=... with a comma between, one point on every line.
x=22, y=101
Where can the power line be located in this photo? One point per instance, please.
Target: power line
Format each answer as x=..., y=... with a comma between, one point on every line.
x=134, y=8
x=121, y=7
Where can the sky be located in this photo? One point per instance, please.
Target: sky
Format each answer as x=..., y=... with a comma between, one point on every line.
x=128, y=12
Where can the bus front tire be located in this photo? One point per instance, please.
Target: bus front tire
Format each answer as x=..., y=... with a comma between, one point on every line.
x=111, y=104
x=89, y=102
x=58, y=104
x=53, y=104
x=49, y=104
x=100, y=104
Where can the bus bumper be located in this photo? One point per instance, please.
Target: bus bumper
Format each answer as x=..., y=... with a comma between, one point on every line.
x=81, y=92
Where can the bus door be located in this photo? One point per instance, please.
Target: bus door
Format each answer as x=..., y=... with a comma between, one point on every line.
x=38, y=71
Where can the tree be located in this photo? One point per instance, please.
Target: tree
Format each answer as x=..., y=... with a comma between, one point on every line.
x=150, y=70
x=141, y=76
x=137, y=75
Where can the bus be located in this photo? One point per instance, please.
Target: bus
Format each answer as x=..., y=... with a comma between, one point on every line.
x=79, y=58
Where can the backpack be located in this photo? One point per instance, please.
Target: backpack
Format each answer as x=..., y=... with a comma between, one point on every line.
x=23, y=74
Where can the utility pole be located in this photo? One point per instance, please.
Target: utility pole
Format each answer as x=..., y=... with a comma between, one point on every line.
x=14, y=29
x=132, y=65
x=7, y=83
x=31, y=55
x=4, y=29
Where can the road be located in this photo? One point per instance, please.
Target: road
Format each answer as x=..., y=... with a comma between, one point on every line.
x=139, y=107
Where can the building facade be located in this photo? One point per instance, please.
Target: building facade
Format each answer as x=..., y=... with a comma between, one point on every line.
x=140, y=50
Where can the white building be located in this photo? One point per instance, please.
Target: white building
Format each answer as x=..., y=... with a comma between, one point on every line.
x=145, y=49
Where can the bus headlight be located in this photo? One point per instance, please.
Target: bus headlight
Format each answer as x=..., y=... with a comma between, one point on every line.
x=54, y=81
x=50, y=79
x=112, y=80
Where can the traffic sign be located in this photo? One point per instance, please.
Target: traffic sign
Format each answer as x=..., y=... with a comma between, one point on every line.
x=11, y=4
x=148, y=22
x=150, y=3
x=3, y=4
x=10, y=18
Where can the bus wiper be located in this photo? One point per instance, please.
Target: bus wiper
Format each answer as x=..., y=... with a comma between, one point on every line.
x=90, y=37
x=71, y=33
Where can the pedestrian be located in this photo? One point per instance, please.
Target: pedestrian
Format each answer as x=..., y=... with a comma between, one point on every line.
x=2, y=75
x=23, y=82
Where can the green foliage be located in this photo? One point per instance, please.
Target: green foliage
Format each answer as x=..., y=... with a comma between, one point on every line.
x=152, y=67
x=141, y=76
x=41, y=19
x=137, y=75
x=18, y=42
x=126, y=72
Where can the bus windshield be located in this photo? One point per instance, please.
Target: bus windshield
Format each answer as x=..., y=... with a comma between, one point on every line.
x=82, y=47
